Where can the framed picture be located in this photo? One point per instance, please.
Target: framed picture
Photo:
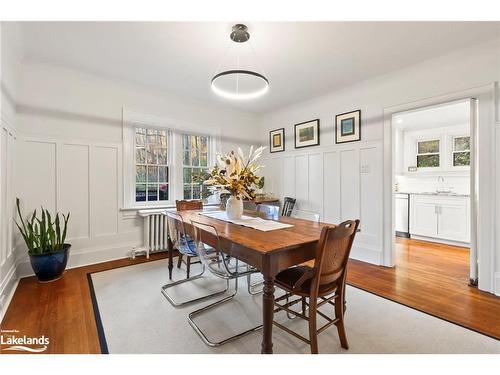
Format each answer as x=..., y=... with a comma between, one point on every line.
x=307, y=134
x=277, y=140
x=348, y=127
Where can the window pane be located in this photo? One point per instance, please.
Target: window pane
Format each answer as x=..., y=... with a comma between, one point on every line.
x=187, y=191
x=152, y=155
x=140, y=173
x=152, y=136
x=425, y=161
x=195, y=150
x=140, y=192
x=140, y=155
x=204, y=159
x=152, y=192
x=163, y=192
x=461, y=159
x=186, y=160
x=140, y=136
x=426, y=147
x=196, y=191
x=152, y=174
x=162, y=156
x=187, y=175
x=186, y=143
x=204, y=144
x=462, y=144
x=163, y=174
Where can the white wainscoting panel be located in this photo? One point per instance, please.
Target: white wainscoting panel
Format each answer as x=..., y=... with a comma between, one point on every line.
x=338, y=182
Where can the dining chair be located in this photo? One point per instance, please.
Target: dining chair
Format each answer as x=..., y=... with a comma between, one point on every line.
x=322, y=279
x=220, y=267
x=183, y=205
x=306, y=215
x=268, y=210
x=186, y=246
x=288, y=204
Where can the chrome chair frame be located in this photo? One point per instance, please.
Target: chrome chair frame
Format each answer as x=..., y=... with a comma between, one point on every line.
x=225, y=272
x=171, y=228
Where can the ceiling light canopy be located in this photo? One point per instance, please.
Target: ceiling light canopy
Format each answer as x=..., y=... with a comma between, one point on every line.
x=240, y=83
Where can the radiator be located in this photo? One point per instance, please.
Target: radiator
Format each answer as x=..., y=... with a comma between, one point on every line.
x=155, y=232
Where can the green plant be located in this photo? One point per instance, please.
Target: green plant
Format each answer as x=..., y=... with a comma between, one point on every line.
x=42, y=235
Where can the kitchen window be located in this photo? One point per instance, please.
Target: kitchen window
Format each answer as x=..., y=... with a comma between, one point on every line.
x=195, y=163
x=461, y=151
x=428, y=153
x=151, y=165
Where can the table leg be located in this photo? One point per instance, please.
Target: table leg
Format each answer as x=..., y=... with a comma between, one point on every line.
x=267, y=315
x=170, y=258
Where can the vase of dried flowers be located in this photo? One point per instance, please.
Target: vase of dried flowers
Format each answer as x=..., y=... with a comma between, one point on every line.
x=234, y=208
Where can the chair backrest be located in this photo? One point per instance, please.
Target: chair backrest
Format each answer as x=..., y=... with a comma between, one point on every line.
x=333, y=252
x=183, y=205
x=306, y=215
x=288, y=204
x=268, y=210
x=177, y=233
x=207, y=235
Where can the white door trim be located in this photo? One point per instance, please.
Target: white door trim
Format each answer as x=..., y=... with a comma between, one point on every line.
x=482, y=192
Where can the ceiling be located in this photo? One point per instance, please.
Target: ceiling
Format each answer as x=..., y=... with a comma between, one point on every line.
x=301, y=59
x=438, y=116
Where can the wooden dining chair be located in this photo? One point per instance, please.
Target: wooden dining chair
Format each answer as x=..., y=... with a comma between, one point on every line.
x=184, y=205
x=288, y=204
x=319, y=282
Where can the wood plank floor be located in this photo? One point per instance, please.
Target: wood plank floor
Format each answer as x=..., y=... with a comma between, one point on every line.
x=429, y=277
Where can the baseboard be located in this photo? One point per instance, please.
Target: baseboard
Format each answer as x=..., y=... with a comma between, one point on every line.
x=366, y=254
x=84, y=258
x=7, y=288
x=496, y=284
x=439, y=240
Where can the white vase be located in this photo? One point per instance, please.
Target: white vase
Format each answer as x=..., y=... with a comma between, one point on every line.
x=234, y=208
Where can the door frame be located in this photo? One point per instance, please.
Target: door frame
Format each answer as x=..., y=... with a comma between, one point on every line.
x=483, y=178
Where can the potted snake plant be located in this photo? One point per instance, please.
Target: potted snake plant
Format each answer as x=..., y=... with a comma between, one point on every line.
x=45, y=240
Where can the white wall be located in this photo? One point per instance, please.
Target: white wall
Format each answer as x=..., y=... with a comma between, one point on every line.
x=361, y=193
x=8, y=80
x=70, y=152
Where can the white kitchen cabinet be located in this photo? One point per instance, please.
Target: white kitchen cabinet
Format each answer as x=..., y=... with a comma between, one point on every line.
x=401, y=211
x=440, y=217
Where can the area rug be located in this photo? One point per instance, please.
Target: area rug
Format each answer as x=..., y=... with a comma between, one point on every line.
x=134, y=317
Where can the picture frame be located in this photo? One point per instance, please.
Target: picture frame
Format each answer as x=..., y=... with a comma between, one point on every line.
x=306, y=134
x=277, y=140
x=348, y=127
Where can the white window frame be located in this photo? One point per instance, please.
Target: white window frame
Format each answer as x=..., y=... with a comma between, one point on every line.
x=439, y=153
x=131, y=120
x=452, y=153
x=210, y=156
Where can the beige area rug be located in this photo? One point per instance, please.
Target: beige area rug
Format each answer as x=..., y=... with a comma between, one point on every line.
x=134, y=317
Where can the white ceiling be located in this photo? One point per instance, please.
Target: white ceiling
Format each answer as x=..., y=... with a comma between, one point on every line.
x=449, y=114
x=301, y=60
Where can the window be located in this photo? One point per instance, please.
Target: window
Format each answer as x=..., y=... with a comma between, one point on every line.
x=195, y=163
x=428, y=154
x=151, y=165
x=461, y=151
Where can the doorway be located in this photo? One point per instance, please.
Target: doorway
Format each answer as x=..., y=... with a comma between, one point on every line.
x=433, y=153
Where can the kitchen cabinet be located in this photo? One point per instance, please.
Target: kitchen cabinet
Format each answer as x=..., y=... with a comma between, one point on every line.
x=440, y=217
x=401, y=211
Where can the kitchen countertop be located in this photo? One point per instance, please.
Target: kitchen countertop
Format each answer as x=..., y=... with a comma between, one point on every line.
x=451, y=194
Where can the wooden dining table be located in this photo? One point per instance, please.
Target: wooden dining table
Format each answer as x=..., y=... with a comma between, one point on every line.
x=270, y=252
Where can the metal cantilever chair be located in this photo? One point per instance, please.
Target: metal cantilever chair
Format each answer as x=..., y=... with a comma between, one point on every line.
x=322, y=279
x=183, y=205
x=220, y=267
x=186, y=246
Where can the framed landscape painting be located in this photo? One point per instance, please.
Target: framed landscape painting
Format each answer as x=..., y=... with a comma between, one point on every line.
x=307, y=134
x=348, y=127
x=277, y=140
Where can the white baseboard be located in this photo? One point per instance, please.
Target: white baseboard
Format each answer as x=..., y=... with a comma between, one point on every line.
x=496, y=284
x=366, y=254
x=7, y=288
x=439, y=240
x=80, y=258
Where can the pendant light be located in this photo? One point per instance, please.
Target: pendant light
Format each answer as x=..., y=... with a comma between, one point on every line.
x=238, y=83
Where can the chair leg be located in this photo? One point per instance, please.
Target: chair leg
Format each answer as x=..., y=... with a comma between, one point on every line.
x=313, y=335
x=303, y=305
x=339, y=314
x=188, y=266
x=179, y=261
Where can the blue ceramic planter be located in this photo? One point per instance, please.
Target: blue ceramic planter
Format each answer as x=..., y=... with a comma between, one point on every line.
x=48, y=267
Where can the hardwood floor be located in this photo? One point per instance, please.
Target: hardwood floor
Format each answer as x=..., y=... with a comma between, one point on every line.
x=429, y=277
